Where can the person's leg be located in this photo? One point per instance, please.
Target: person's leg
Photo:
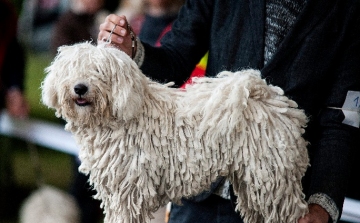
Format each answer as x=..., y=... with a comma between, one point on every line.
x=214, y=209
x=83, y=193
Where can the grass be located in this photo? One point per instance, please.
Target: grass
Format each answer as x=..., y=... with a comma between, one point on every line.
x=36, y=64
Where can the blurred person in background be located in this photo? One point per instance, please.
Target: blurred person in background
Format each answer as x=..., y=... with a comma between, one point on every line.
x=155, y=19
x=12, y=97
x=36, y=22
x=12, y=64
x=129, y=8
x=79, y=24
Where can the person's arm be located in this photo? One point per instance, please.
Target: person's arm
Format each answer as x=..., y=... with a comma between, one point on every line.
x=338, y=131
x=182, y=48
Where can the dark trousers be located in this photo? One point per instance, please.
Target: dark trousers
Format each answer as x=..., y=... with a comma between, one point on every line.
x=83, y=194
x=213, y=209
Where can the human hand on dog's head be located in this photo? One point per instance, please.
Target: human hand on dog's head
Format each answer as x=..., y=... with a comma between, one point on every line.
x=117, y=31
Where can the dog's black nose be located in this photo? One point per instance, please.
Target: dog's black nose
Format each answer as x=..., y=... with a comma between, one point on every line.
x=80, y=89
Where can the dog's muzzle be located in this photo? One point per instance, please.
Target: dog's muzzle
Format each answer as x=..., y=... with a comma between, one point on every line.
x=80, y=90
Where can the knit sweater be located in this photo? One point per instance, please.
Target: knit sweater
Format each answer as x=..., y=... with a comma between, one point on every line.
x=280, y=16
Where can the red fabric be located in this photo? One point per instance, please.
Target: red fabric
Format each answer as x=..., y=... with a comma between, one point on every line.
x=197, y=72
x=167, y=29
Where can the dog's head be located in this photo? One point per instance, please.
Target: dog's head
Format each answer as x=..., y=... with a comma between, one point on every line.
x=88, y=84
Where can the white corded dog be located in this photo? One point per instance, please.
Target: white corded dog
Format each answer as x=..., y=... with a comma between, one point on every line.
x=145, y=144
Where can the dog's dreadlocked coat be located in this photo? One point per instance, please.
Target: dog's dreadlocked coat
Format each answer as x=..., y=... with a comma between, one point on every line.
x=144, y=144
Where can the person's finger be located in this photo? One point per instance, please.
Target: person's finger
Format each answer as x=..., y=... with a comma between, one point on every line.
x=105, y=29
x=114, y=18
x=117, y=31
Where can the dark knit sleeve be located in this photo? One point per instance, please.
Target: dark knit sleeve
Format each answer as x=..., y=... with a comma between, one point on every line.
x=181, y=48
x=339, y=123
